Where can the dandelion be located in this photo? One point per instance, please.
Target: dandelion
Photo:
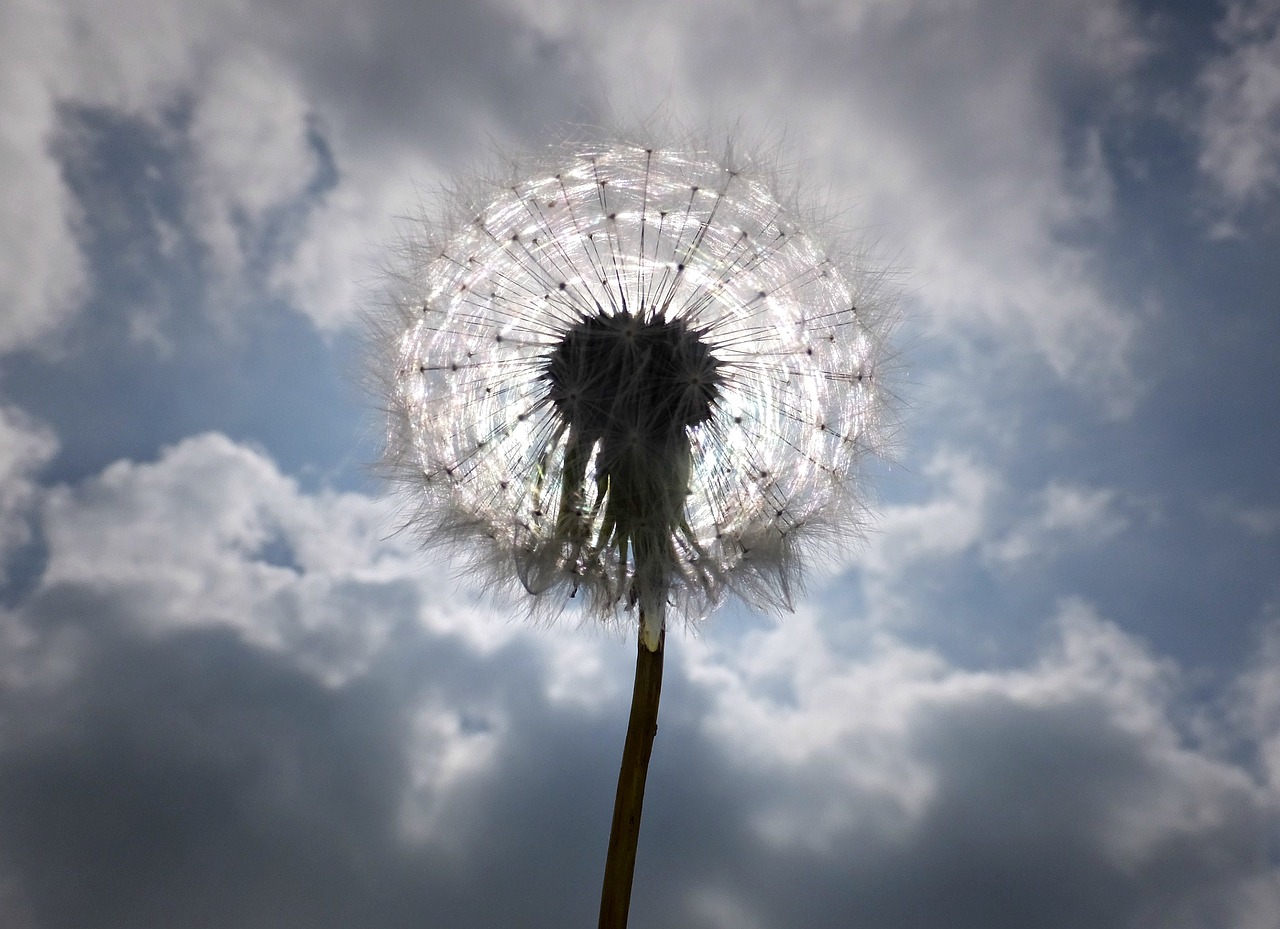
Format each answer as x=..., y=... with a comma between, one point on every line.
x=629, y=375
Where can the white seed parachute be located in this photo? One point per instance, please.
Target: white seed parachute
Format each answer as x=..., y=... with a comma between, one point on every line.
x=629, y=374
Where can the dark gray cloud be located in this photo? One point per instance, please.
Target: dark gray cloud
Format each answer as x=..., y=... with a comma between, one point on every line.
x=346, y=748
x=193, y=778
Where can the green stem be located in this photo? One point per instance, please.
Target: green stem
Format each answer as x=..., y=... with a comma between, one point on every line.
x=620, y=863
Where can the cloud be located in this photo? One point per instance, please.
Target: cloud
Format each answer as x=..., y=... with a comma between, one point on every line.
x=953, y=512
x=340, y=260
x=972, y=508
x=1239, y=122
x=204, y=78
x=230, y=701
x=268, y=711
x=943, y=124
x=267, y=108
x=251, y=157
x=952, y=521
x=132, y=61
x=1067, y=516
x=1255, y=703
x=43, y=277
x=25, y=447
x=1055, y=794
x=213, y=535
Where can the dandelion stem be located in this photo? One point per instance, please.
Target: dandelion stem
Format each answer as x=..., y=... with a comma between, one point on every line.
x=620, y=863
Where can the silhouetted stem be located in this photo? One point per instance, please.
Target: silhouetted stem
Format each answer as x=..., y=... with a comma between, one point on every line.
x=620, y=864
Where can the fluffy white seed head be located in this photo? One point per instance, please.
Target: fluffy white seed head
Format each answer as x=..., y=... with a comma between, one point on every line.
x=629, y=374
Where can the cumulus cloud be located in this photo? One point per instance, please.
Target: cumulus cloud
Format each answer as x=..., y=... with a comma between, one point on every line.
x=270, y=712
x=953, y=520
x=302, y=131
x=213, y=535
x=251, y=157
x=43, y=277
x=248, y=693
x=267, y=108
x=1256, y=698
x=132, y=60
x=245, y=142
x=227, y=700
x=943, y=123
x=25, y=447
x=341, y=256
x=1054, y=794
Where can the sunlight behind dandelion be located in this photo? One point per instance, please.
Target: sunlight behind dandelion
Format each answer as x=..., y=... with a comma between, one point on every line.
x=732, y=308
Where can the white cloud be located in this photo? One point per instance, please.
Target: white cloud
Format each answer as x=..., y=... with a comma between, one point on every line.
x=42, y=276
x=1256, y=704
x=250, y=153
x=341, y=259
x=233, y=91
x=1066, y=516
x=246, y=146
x=832, y=731
x=952, y=521
x=134, y=57
x=25, y=447
x=942, y=122
x=213, y=535
x=1239, y=122
x=970, y=508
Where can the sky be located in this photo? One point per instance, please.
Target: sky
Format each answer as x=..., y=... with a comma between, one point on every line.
x=1043, y=692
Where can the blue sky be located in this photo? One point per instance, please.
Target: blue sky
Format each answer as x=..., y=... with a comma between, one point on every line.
x=1044, y=692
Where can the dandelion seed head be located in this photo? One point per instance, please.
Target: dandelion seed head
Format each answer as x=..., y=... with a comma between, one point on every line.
x=629, y=375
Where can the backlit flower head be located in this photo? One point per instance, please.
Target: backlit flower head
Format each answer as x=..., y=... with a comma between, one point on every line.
x=629, y=374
